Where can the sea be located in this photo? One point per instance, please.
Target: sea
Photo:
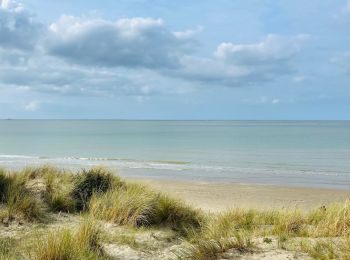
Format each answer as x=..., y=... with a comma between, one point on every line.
x=283, y=153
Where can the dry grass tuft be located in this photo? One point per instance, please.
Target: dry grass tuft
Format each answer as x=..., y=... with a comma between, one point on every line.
x=67, y=245
x=134, y=205
x=86, y=183
x=176, y=214
x=290, y=223
x=220, y=234
x=332, y=221
x=137, y=205
x=20, y=202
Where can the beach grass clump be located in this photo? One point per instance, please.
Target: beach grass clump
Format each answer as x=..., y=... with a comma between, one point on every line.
x=219, y=235
x=290, y=223
x=212, y=249
x=89, y=236
x=332, y=221
x=93, y=181
x=60, y=202
x=241, y=219
x=57, y=245
x=20, y=201
x=322, y=250
x=56, y=179
x=58, y=185
x=133, y=205
x=137, y=205
x=176, y=214
x=65, y=244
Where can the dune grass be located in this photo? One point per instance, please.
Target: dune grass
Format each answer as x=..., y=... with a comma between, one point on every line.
x=58, y=185
x=325, y=232
x=331, y=222
x=19, y=200
x=136, y=205
x=221, y=233
x=33, y=193
x=93, y=181
x=65, y=244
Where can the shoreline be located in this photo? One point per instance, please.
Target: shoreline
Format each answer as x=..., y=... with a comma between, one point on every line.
x=218, y=197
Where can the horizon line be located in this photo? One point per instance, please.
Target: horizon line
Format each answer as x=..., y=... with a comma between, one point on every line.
x=131, y=119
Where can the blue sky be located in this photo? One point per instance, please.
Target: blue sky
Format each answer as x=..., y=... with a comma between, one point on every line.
x=157, y=59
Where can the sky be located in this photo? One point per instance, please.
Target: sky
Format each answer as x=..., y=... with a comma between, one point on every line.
x=158, y=59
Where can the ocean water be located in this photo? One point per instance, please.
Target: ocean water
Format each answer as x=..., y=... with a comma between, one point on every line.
x=287, y=153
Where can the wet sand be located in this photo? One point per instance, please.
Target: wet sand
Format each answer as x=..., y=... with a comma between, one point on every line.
x=219, y=197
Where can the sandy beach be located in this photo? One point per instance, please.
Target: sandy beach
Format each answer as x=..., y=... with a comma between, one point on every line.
x=220, y=197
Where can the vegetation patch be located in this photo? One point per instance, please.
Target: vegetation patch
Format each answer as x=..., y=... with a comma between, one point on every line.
x=136, y=205
x=65, y=244
x=19, y=200
x=33, y=194
x=89, y=182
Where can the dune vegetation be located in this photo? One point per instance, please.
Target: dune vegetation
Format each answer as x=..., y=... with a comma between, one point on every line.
x=48, y=213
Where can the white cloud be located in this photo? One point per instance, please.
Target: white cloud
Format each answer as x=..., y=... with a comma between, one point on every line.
x=188, y=34
x=236, y=65
x=32, y=106
x=272, y=52
x=55, y=77
x=18, y=29
x=135, y=42
x=136, y=57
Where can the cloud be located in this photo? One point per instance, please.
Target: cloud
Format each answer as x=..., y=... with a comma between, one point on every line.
x=32, y=106
x=133, y=43
x=137, y=57
x=52, y=76
x=236, y=65
x=188, y=34
x=273, y=54
x=18, y=29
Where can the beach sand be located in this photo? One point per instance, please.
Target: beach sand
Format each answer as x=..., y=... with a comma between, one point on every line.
x=219, y=197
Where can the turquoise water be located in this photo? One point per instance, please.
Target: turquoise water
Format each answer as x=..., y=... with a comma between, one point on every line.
x=297, y=153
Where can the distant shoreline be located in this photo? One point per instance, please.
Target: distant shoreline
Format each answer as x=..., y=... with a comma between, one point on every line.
x=176, y=120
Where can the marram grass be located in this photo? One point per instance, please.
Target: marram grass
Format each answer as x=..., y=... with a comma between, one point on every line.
x=65, y=244
x=32, y=194
x=19, y=199
x=137, y=205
